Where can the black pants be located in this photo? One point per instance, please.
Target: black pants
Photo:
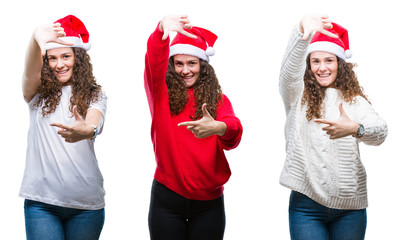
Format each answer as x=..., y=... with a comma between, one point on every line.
x=172, y=216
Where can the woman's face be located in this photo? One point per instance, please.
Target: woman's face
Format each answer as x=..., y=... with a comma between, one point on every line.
x=188, y=67
x=324, y=66
x=61, y=62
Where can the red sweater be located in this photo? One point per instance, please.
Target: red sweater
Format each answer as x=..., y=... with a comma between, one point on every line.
x=192, y=167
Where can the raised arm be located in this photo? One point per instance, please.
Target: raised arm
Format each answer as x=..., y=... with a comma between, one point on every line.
x=294, y=61
x=36, y=50
x=156, y=58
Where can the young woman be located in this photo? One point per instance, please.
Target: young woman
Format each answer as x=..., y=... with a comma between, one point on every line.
x=328, y=115
x=62, y=185
x=193, y=122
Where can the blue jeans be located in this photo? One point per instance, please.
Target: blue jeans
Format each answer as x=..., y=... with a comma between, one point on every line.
x=173, y=217
x=48, y=222
x=309, y=220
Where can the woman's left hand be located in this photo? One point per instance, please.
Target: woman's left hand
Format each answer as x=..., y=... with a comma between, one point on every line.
x=206, y=126
x=80, y=130
x=341, y=127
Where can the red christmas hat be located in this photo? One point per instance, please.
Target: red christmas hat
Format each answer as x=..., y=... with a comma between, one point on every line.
x=339, y=46
x=202, y=47
x=76, y=33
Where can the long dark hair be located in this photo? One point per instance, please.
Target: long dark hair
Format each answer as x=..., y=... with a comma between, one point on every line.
x=346, y=82
x=85, y=89
x=205, y=90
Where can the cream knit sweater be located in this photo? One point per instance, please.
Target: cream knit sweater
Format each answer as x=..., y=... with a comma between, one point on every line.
x=328, y=171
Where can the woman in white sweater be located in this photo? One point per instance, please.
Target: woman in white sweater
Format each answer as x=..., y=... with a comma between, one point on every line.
x=327, y=116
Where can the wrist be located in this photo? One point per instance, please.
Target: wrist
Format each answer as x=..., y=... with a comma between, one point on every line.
x=222, y=128
x=94, y=132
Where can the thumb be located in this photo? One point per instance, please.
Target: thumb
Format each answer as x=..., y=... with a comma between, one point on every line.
x=42, y=49
x=76, y=114
x=342, y=112
x=306, y=34
x=205, y=111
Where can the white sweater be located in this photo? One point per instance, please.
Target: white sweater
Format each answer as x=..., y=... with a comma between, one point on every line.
x=328, y=171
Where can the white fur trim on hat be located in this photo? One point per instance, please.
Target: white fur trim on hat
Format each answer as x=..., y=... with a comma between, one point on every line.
x=77, y=42
x=327, y=47
x=188, y=49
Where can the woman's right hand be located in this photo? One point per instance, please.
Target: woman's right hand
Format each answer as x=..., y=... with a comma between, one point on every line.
x=315, y=23
x=175, y=23
x=49, y=33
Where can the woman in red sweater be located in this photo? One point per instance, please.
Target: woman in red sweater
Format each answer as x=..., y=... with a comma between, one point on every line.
x=193, y=122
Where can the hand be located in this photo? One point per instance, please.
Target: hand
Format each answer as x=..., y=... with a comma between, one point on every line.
x=206, y=126
x=80, y=130
x=49, y=33
x=342, y=127
x=175, y=23
x=316, y=23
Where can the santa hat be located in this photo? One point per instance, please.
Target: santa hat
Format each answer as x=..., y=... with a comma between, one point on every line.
x=202, y=47
x=339, y=46
x=76, y=33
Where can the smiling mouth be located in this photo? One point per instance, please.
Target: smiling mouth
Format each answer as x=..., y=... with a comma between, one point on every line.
x=62, y=72
x=324, y=75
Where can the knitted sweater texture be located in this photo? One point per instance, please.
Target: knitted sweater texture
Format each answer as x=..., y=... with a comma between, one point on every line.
x=328, y=171
x=194, y=168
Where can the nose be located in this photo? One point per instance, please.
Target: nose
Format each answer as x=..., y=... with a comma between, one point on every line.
x=185, y=70
x=59, y=63
x=323, y=67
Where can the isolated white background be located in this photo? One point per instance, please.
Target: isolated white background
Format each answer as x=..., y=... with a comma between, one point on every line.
x=252, y=39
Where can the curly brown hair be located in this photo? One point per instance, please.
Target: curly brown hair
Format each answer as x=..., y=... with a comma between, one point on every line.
x=85, y=90
x=346, y=82
x=205, y=90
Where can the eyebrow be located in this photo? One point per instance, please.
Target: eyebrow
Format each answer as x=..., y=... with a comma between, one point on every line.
x=66, y=53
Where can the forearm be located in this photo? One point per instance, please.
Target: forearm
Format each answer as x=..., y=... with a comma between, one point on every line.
x=293, y=67
x=32, y=71
x=94, y=118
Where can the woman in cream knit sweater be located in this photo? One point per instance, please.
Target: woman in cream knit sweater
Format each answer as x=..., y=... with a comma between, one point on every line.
x=328, y=115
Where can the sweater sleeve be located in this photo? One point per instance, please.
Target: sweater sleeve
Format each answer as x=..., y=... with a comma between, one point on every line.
x=233, y=134
x=156, y=64
x=292, y=70
x=375, y=127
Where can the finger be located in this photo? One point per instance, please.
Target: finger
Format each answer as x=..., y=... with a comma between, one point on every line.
x=60, y=41
x=328, y=25
x=187, y=124
x=322, y=121
x=64, y=134
x=184, y=20
x=60, y=125
x=327, y=128
x=327, y=33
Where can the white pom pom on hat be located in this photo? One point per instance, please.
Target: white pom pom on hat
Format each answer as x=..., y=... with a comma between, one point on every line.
x=210, y=51
x=201, y=47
